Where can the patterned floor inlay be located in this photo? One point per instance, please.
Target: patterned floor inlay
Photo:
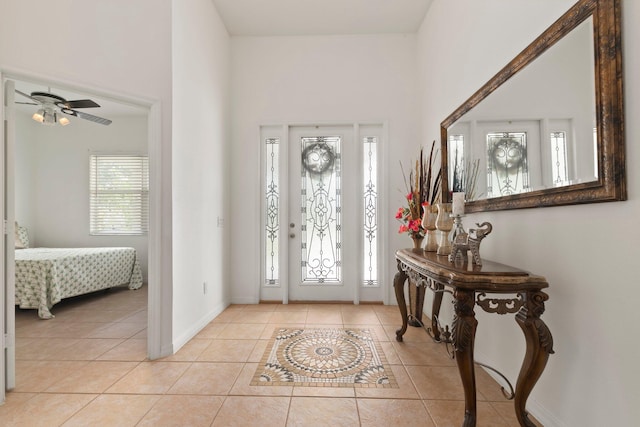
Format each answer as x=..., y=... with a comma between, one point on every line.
x=324, y=358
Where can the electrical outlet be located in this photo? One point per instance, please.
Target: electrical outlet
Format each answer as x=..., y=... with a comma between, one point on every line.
x=204, y=287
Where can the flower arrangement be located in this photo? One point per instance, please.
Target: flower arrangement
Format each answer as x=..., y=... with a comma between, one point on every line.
x=422, y=190
x=409, y=224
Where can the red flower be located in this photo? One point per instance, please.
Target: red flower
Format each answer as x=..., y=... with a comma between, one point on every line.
x=400, y=213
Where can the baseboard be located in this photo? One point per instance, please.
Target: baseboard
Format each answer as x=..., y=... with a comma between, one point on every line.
x=243, y=300
x=197, y=327
x=543, y=415
x=533, y=407
x=335, y=302
x=315, y=302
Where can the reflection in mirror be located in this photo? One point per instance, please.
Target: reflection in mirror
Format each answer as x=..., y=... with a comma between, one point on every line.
x=546, y=142
x=547, y=129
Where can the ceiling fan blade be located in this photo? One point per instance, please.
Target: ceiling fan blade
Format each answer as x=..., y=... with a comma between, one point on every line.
x=86, y=116
x=27, y=96
x=79, y=103
x=27, y=103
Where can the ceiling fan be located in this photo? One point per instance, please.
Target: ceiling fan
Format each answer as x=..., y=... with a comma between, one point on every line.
x=51, y=105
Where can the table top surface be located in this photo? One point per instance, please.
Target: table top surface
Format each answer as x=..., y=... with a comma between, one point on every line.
x=490, y=275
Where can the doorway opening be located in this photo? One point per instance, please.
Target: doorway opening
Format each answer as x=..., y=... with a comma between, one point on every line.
x=64, y=157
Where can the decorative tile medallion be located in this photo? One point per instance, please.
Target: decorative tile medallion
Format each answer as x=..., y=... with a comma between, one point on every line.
x=324, y=358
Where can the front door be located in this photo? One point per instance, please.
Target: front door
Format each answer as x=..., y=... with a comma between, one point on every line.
x=322, y=211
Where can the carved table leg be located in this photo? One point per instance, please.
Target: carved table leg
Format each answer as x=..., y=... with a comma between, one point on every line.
x=435, y=311
x=463, y=336
x=416, y=305
x=398, y=284
x=539, y=346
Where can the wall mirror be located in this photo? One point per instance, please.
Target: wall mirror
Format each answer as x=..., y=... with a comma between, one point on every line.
x=546, y=130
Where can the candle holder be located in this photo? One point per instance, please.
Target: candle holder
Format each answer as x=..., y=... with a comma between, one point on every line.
x=457, y=229
x=444, y=224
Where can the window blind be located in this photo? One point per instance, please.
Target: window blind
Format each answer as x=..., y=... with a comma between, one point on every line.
x=119, y=194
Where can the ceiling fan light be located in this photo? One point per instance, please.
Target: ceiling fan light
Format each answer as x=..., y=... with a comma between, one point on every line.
x=49, y=117
x=63, y=121
x=38, y=116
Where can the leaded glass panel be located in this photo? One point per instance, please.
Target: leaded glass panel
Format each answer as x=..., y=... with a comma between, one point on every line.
x=456, y=158
x=559, y=158
x=507, y=166
x=595, y=152
x=272, y=209
x=320, y=210
x=370, y=205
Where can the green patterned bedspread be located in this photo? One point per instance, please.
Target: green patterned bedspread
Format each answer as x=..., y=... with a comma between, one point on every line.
x=44, y=276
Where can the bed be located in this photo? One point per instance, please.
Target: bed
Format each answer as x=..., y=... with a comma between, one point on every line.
x=45, y=276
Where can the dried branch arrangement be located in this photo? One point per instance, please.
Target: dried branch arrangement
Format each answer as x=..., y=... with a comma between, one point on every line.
x=423, y=188
x=465, y=178
x=423, y=184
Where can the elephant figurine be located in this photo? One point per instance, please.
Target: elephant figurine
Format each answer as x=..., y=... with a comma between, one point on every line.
x=470, y=241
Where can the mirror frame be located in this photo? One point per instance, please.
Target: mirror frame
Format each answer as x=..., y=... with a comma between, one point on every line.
x=611, y=183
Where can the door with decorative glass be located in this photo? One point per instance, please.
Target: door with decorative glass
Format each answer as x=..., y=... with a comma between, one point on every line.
x=320, y=213
x=322, y=230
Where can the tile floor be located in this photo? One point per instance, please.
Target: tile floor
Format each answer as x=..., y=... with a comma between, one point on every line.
x=87, y=367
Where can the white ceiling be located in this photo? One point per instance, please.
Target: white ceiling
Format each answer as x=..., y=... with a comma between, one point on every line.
x=277, y=18
x=321, y=17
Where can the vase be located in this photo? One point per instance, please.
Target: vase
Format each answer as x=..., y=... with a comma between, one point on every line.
x=417, y=242
x=429, y=224
x=444, y=224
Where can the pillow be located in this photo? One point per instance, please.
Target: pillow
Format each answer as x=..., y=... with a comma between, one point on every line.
x=21, y=237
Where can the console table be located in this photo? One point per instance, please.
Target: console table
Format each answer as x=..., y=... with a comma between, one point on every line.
x=484, y=286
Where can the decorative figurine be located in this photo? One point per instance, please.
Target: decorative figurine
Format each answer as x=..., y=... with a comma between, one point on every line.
x=470, y=242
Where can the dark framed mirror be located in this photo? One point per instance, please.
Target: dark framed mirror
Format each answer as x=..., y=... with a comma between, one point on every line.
x=547, y=129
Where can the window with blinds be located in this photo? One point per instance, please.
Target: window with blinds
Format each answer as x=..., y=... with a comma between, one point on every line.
x=119, y=194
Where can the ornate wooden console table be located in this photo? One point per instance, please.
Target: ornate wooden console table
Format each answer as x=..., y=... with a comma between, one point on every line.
x=478, y=285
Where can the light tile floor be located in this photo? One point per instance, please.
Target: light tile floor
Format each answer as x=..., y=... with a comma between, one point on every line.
x=88, y=367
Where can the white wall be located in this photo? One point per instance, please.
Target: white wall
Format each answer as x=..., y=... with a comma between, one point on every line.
x=52, y=178
x=119, y=47
x=24, y=179
x=307, y=80
x=587, y=253
x=200, y=138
